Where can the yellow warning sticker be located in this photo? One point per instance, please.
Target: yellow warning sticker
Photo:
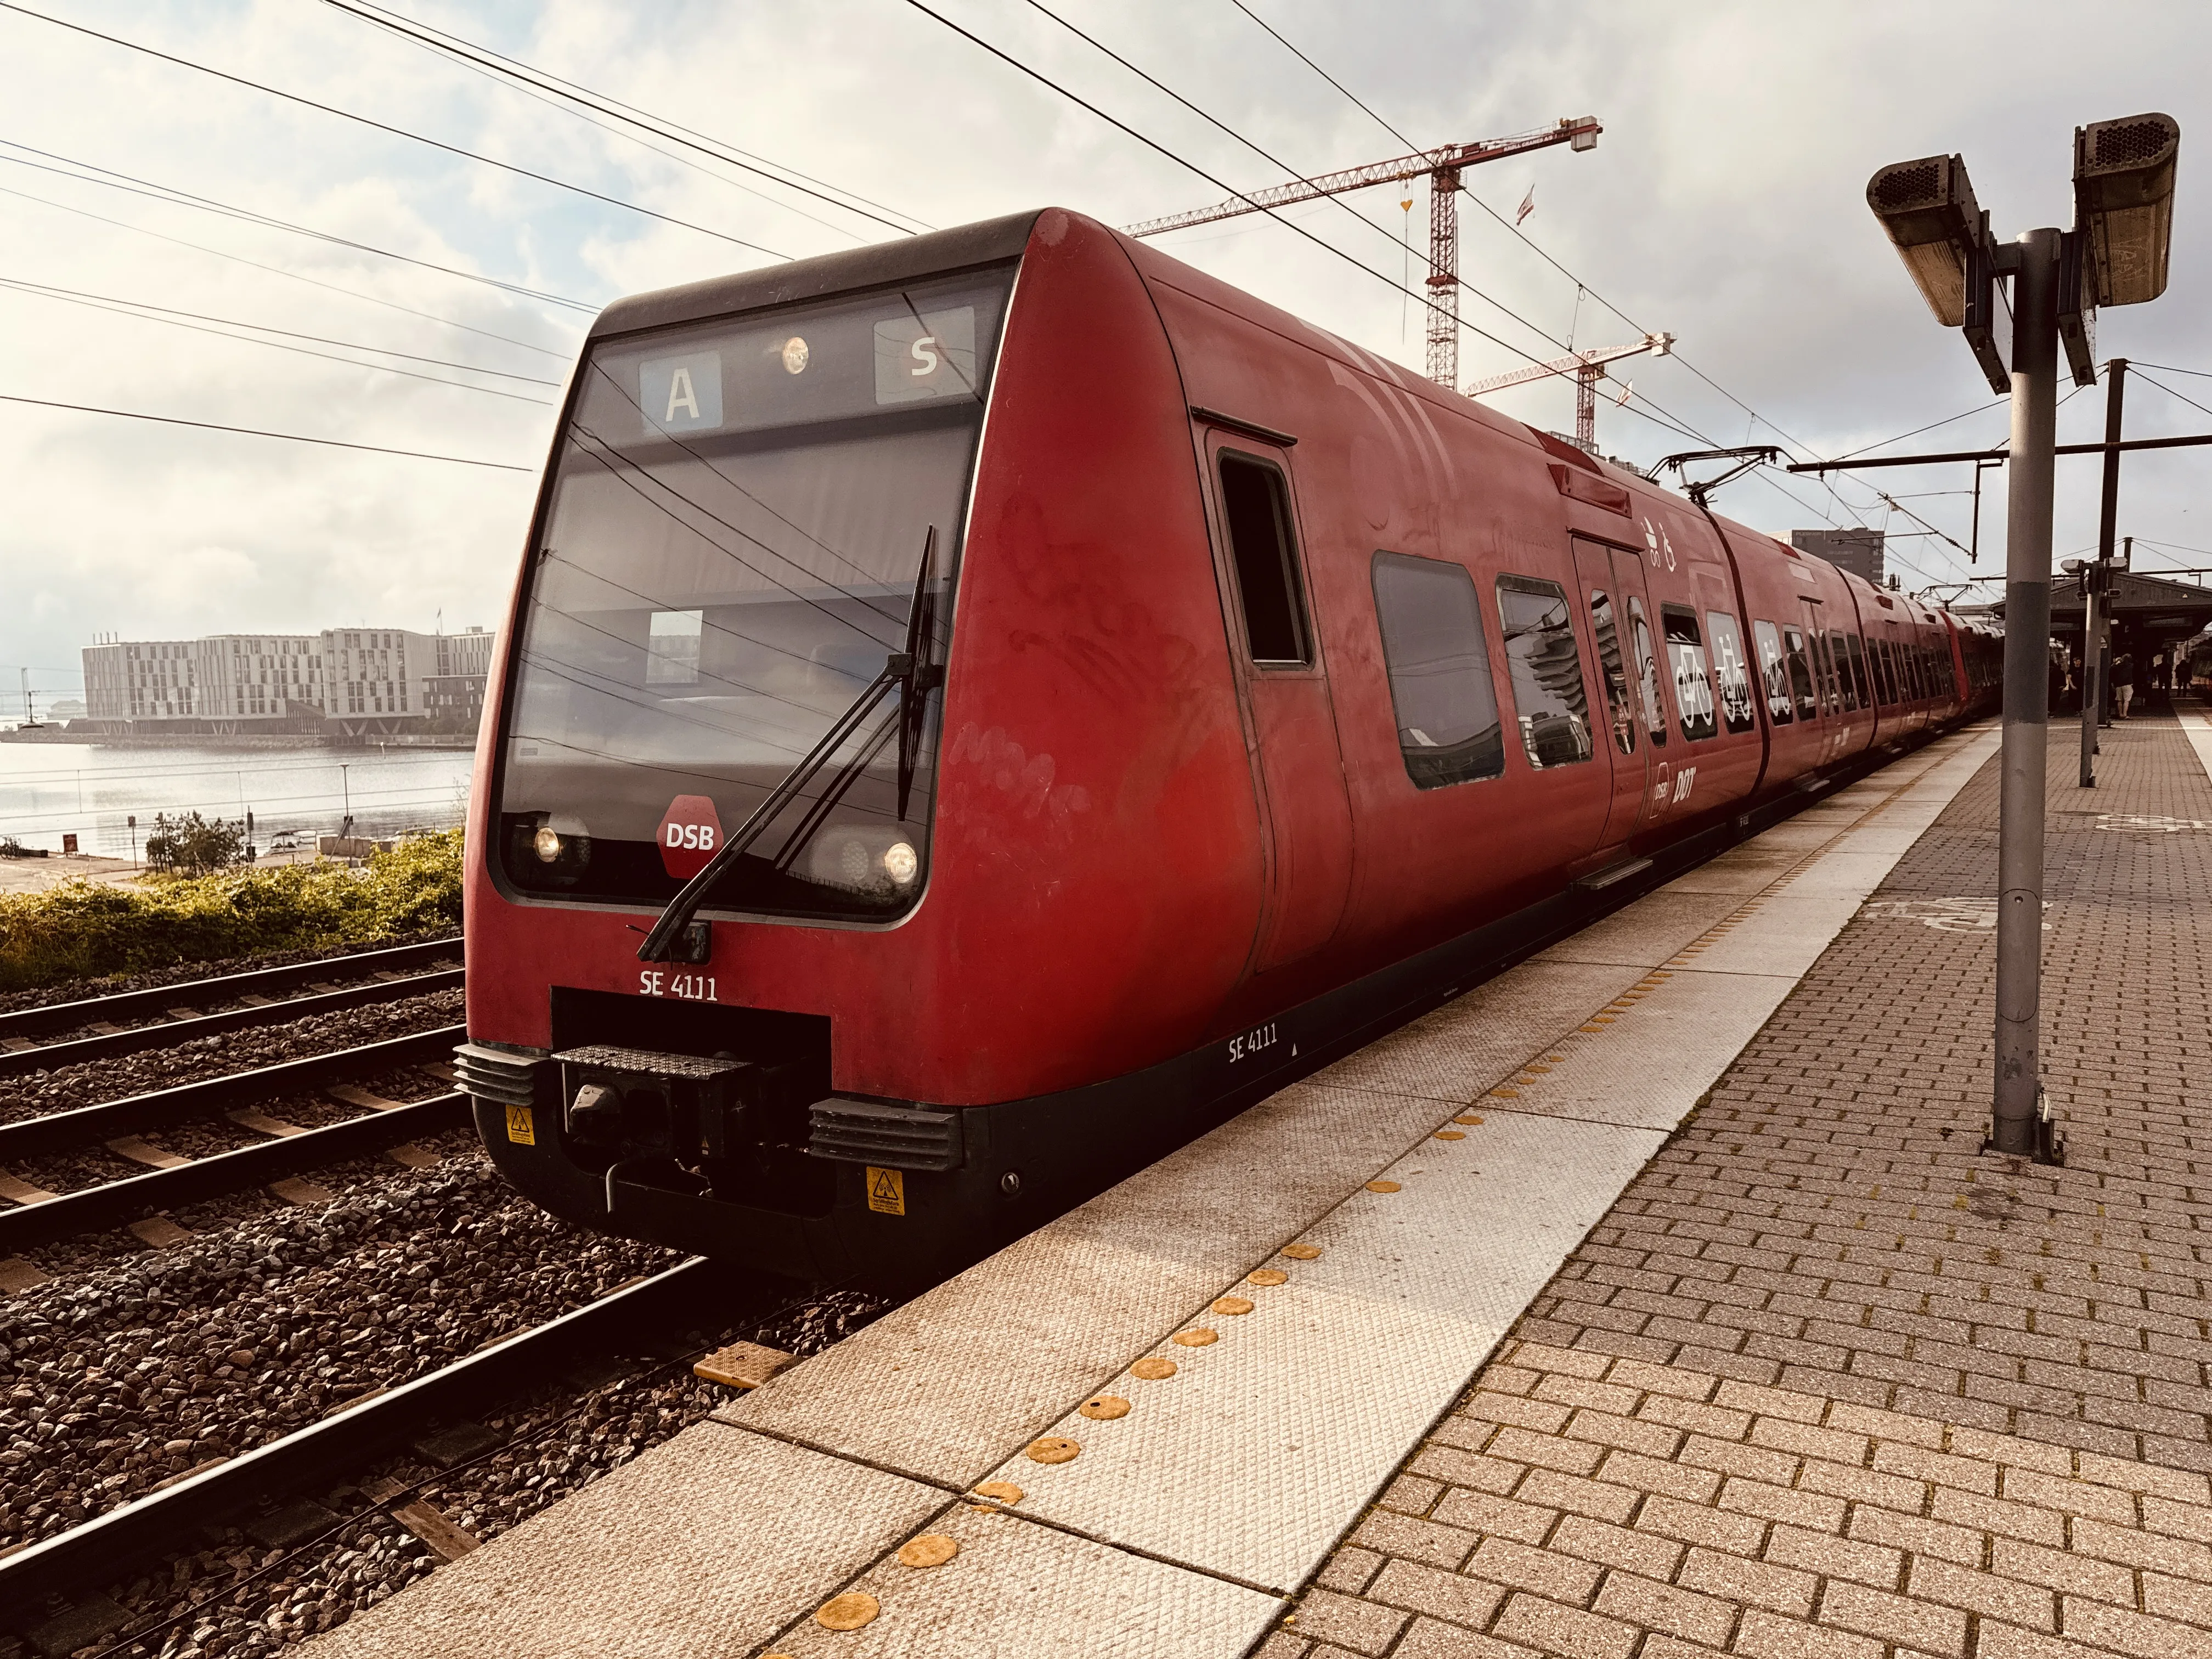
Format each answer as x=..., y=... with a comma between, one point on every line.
x=520, y=1128
x=886, y=1191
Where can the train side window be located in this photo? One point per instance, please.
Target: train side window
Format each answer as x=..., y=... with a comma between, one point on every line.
x=1693, y=687
x=1847, y=692
x=1609, y=665
x=1257, y=509
x=1647, y=673
x=1801, y=676
x=1877, y=662
x=1733, y=672
x=1773, y=671
x=1892, y=685
x=1855, y=647
x=1547, y=669
x=1439, y=665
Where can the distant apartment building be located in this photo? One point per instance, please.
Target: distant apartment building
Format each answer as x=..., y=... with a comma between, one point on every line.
x=344, y=682
x=1857, y=550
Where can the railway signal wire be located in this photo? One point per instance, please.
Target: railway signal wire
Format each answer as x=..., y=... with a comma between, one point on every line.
x=142, y=307
x=146, y=187
x=40, y=291
x=559, y=93
x=396, y=131
x=279, y=270
x=260, y=432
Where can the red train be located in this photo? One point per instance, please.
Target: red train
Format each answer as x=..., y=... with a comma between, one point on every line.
x=1184, y=692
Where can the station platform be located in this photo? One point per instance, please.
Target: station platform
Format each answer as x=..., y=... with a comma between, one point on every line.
x=1651, y=1299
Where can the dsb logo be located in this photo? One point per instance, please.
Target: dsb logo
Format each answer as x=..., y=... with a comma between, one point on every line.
x=690, y=832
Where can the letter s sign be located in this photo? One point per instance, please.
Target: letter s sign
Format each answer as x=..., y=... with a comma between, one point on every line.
x=923, y=354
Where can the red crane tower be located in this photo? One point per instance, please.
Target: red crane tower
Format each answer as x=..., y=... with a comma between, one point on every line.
x=1442, y=168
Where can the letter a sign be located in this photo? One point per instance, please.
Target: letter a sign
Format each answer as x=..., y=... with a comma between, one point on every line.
x=691, y=834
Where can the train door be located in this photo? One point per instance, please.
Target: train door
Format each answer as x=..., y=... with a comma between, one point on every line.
x=1829, y=693
x=1608, y=578
x=1299, y=766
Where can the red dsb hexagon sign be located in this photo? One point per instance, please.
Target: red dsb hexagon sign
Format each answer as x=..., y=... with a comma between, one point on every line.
x=691, y=834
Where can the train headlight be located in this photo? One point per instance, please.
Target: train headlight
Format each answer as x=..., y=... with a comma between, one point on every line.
x=546, y=843
x=901, y=862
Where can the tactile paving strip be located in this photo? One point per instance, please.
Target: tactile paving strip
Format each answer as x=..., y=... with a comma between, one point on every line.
x=1266, y=1444
x=941, y=1387
x=1017, y=1590
x=701, y=1548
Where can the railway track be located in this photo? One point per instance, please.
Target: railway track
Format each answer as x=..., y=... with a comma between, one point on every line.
x=388, y=975
x=260, y=1487
x=42, y=1218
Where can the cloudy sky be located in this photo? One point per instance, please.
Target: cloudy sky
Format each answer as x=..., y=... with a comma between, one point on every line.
x=1723, y=203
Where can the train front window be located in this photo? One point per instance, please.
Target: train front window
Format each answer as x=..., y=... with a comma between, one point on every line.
x=741, y=517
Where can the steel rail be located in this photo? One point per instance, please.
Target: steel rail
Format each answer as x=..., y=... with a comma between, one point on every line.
x=108, y=1045
x=116, y=1203
x=111, y=1546
x=85, y=1125
x=222, y=988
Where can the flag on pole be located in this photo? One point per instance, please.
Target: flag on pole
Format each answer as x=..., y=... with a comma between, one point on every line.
x=1527, y=205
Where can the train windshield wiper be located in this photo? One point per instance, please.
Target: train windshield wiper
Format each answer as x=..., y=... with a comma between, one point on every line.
x=914, y=672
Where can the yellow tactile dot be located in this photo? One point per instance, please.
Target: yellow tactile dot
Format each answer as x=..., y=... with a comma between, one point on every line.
x=1450, y=1134
x=1469, y=1117
x=1505, y=1094
x=848, y=1611
x=1265, y=1276
x=1537, y=1070
x=1197, y=1338
x=1054, y=1449
x=1303, y=1252
x=1154, y=1370
x=1005, y=1491
x=1103, y=1407
x=1593, y=1026
x=932, y=1549
x=1382, y=1186
x=1232, y=1305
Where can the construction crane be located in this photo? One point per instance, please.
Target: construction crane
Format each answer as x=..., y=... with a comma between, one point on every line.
x=1589, y=369
x=1442, y=168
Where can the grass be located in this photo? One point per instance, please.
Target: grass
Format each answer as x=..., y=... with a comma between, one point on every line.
x=83, y=930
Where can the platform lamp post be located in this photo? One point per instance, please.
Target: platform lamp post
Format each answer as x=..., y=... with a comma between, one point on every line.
x=2115, y=255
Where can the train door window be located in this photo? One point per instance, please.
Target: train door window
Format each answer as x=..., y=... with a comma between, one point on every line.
x=1773, y=671
x=1693, y=687
x=1440, y=686
x=1257, y=510
x=1615, y=671
x=1546, y=670
x=1855, y=647
x=1877, y=661
x=1801, y=675
x=1919, y=680
x=1893, y=667
x=1647, y=673
x=1733, y=672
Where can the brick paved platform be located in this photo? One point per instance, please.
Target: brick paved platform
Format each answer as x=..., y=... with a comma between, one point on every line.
x=1828, y=1384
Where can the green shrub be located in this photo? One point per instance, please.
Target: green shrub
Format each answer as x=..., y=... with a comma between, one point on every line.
x=86, y=930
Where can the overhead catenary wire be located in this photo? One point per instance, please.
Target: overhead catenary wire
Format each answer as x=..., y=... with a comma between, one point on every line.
x=486, y=61
x=257, y=431
x=396, y=131
x=1354, y=260
x=1582, y=287
x=279, y=270
x=168, y=193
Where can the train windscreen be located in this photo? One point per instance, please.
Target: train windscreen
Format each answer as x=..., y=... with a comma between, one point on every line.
x=742, y=516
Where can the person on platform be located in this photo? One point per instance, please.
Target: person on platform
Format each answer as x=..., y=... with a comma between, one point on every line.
x=2123, y=685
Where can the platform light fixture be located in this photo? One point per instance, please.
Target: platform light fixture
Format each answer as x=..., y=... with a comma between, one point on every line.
x=1929, y=209
x=2123, y=174
x=2017, y=303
